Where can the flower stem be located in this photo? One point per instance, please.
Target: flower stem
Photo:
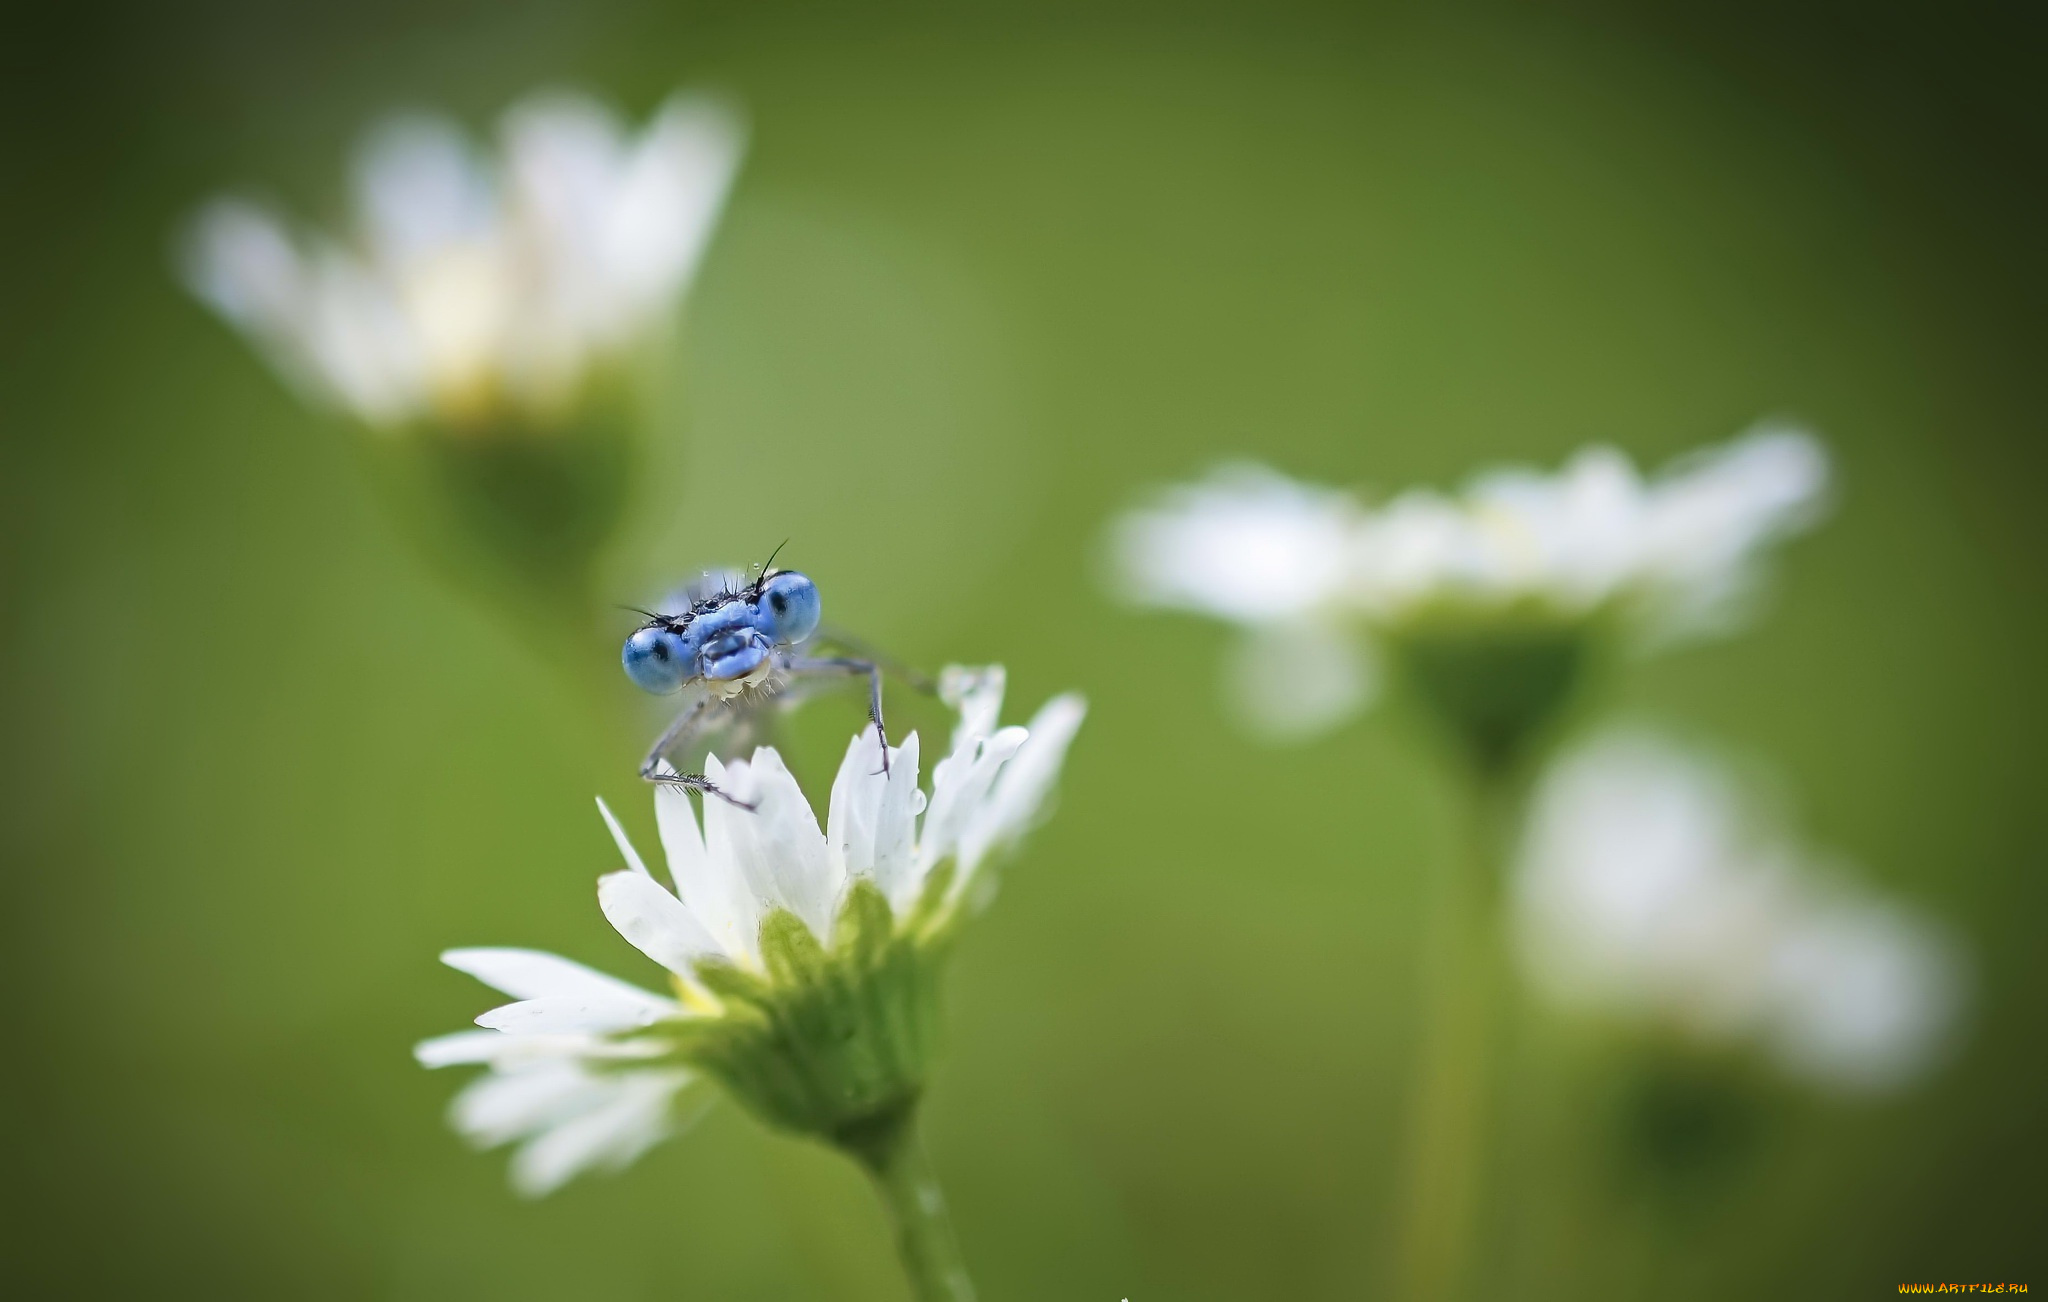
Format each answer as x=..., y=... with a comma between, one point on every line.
x=1453, y=1106
x=909, y=1190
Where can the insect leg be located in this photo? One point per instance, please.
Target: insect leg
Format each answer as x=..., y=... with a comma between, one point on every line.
x=686, y=726
x=849, y=666
x=915, y=679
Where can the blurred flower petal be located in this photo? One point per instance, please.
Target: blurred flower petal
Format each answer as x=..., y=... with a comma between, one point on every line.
x=1649, y=885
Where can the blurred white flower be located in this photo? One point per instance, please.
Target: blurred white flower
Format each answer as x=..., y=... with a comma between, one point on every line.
x=1306, y=569
x=471, y=284
x=587, y=1070
x=1651, y=885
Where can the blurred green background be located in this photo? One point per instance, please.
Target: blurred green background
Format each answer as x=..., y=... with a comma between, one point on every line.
x=985, y=276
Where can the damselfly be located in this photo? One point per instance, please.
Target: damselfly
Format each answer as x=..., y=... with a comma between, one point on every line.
x=735, y=645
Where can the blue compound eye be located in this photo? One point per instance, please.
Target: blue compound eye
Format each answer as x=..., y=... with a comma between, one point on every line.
x=789, y=607
x=656, y=659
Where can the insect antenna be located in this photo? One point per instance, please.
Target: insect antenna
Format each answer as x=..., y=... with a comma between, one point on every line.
x=762, y=577
x=649, y=615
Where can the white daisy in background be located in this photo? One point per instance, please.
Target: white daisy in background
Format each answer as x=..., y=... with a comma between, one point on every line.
x=802, y=963
x=472, y=287
x=1651, y=886
x=1317, y=577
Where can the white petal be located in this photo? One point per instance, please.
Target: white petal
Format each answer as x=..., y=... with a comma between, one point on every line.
x=776, y=847
x=359, y=344
x=710, y=887
x=321, y=319
x=671, y=191
x=564, y=154
x=1867, y=993
x=725, y=879
x=873, y=822
x=960, y=785
x=976, y=695
x=1638, y=889
x=1651, y=883
x=421, y=188
x=1024, y=783
x=535, y=974
x=460, y=1048
x=637, y=1116
x=498, y=1107
x=792, y=854
x=681, y=844
x=657, y=923
x=1246, y=544
x=856, y=791
x=238, y=257
x=1713, y=513
x=573, y=1014
x=500, y=1050
x=1568, y=539
x=895, y=831
x=1414, y=550
x=626, y=850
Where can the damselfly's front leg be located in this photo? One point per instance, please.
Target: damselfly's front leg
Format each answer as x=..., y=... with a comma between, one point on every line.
x=685, y=728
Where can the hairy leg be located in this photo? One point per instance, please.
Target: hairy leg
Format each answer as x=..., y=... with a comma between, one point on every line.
x=686, y=726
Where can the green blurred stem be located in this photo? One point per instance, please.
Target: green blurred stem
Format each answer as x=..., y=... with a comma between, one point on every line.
x=1467, y=983
x=909, y=1190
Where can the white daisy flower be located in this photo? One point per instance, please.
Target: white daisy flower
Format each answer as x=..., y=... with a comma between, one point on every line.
x=1316, y=577
x=471, y=286
x=802, y=962
x=1650, y=886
